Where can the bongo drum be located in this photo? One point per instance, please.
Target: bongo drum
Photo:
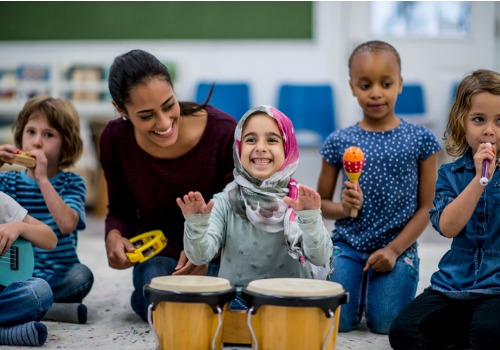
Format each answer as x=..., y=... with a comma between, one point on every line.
x=293, y=313
x=187, y=311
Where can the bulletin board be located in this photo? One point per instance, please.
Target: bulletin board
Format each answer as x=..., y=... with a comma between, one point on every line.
x=162, y=20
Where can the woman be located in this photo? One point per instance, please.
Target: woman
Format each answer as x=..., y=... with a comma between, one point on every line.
x=157, y=151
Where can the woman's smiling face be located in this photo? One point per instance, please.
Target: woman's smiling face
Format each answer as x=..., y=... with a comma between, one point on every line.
x=154, y=112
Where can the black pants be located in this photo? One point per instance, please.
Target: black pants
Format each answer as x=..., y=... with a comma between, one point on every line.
x=434, y=321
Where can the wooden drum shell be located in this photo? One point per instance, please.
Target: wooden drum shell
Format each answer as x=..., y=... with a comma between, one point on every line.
x=188, y=320
x=294, y=322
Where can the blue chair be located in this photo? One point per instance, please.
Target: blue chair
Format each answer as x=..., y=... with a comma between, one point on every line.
x=411, y=104
x=232, y=98
x=311, y=109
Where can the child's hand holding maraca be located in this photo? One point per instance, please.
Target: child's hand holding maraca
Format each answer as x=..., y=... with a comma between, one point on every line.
x=354, y=162
x=352, y=198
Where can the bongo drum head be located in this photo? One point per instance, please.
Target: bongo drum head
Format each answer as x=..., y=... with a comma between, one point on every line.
x=190, y=284
x=295, y=287
x=301, y=292
x=214, y=291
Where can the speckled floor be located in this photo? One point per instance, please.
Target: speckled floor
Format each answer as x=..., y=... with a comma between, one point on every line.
x=113, y=325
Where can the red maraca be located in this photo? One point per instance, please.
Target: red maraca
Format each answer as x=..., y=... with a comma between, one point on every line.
x=354, y=162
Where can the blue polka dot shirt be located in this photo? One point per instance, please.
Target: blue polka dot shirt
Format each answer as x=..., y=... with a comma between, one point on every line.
x=389, y=180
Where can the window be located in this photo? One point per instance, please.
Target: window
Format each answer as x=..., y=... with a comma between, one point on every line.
x=430, y=19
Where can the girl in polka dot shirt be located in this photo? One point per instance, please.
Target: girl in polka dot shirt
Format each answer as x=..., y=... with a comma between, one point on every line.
x=375, y=253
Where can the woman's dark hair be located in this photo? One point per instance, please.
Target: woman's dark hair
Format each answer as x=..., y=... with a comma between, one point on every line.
x=139, y=67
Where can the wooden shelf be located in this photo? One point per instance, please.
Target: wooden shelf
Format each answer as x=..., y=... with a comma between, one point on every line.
x=91, y=96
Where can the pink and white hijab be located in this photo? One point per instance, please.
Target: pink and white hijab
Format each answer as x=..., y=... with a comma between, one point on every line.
x=261, y=201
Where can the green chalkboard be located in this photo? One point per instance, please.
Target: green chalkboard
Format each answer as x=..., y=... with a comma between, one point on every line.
x=111, y=20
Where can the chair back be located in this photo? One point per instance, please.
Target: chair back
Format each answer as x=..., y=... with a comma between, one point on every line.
x=411, y=105
x=411, y=101
x=232, y=98
x=311, y=109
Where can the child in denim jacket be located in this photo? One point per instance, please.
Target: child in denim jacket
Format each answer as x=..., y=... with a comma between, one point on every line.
x=461, y=307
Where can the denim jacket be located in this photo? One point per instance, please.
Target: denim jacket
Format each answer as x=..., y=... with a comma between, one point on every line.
x=472, y=265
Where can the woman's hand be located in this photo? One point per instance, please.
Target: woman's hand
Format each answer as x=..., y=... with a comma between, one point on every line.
x=186, y=267
x=193, y=203
x=116, y=247
x=307, y=199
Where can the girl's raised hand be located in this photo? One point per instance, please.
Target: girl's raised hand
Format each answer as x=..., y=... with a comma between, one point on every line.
x=307, y=199
x=193, y=203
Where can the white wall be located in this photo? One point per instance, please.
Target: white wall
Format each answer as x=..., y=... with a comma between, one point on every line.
x=338, y=27
x=264, y=64
x=438, y=63
x=497, y=38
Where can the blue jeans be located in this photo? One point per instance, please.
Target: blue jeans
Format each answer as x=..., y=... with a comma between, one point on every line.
x=238, y=303
x=435, y=321
x=381, y=296
x=25, y=301
x=71, y=285
x=143, y=274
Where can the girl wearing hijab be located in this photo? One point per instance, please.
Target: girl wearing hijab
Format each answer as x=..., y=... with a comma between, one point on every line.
x=264, y=222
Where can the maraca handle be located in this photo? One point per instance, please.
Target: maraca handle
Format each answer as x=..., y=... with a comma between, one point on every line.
x=353, y=213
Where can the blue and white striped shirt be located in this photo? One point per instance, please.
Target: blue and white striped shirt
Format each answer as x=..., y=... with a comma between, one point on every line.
x=71, y=188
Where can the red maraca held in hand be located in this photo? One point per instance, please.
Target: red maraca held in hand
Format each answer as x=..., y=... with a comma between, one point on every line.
x=354, y=162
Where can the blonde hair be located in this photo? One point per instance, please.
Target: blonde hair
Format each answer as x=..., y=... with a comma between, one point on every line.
x=62, y=116
x=481, y=80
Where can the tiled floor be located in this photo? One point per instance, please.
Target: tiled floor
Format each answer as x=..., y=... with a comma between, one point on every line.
x=113, y=325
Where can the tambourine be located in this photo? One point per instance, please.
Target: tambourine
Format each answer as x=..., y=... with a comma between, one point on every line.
x=147, y=245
